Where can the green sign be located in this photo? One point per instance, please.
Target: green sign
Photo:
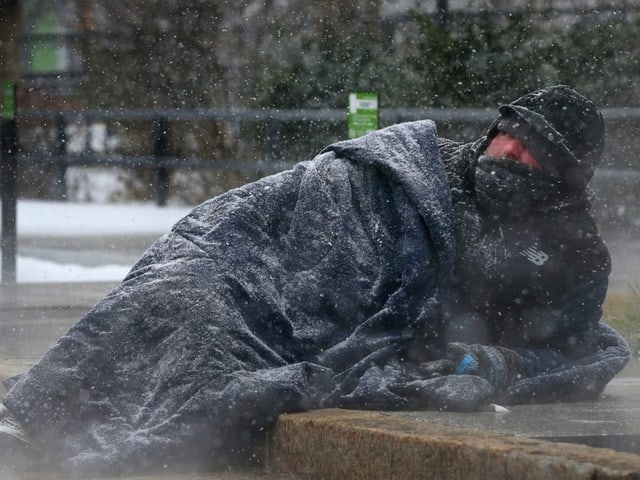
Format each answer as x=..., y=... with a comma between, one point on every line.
x=9, y=103
x=363, y=113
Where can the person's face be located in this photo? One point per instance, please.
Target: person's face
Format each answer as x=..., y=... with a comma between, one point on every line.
x=503, y=145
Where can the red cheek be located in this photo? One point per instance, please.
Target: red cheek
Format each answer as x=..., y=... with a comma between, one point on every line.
x=503, y=145
x=530, y=160
x=497, y=146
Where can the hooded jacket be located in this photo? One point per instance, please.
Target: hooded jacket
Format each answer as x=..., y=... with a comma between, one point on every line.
x=531, y=274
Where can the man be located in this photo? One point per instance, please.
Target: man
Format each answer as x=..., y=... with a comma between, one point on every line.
x=524, y=227
x=395, y=271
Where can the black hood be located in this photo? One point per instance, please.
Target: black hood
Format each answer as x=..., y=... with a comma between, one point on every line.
x=563, y=129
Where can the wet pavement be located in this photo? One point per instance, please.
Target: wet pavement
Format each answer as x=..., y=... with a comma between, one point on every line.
x=34, y=316
x=243, y=475
x=86, y=250
x=625, y=262
x=612, y=422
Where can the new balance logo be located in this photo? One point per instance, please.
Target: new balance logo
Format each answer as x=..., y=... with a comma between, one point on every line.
x=535, y=256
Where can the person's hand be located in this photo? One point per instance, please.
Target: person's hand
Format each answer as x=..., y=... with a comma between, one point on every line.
x=435, y=368
x=483, y=361
x=456, y=393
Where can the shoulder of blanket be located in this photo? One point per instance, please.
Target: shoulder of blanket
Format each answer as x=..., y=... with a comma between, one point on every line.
x=420, y=131
x=403, y=146
x=419, y=126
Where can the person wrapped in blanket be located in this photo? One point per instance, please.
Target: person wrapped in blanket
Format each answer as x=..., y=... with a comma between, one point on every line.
x=399, y=270
x=531, y=270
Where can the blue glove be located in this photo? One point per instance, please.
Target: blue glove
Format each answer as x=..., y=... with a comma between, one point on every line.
x=490, y=363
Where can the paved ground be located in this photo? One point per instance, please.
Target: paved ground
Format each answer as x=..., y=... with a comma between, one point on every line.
x=613, y=422
x=34, y=316
x=625, y=260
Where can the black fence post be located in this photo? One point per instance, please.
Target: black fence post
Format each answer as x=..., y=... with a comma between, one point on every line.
x=160, y=149
x=60, y=158
x=8, y=182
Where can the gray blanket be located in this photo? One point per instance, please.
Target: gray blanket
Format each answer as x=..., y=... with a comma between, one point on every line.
x=294, y=292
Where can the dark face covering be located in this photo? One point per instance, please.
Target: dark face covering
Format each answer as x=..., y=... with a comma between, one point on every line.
x=506, y=186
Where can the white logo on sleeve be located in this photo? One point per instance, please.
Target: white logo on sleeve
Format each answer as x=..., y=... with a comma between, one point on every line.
x=535, y=256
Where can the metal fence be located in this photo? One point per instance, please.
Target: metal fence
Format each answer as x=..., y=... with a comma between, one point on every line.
x=269, y=160
x=461, y=124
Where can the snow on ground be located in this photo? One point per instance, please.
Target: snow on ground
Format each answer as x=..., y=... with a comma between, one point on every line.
x=68, y=219
x=62, y=219
x=32, y=270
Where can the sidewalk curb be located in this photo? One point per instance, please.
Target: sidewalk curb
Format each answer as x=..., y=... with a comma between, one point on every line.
x=342, y=444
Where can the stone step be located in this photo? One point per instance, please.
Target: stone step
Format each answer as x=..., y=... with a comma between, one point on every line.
x=339, y=444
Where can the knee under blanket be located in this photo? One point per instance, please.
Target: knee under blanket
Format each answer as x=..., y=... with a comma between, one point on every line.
x=287, y=294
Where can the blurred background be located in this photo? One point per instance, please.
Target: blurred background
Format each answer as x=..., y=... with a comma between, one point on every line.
x=180, y=100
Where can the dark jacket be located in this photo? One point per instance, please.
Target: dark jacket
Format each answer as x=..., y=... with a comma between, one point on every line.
x=529, y=279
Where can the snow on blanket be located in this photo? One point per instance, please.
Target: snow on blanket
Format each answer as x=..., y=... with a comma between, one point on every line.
x=294, y=292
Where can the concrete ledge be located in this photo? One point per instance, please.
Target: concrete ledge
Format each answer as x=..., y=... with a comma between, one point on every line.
x=344, y=444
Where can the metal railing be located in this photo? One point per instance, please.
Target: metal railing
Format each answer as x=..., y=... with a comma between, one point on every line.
x=159, y=158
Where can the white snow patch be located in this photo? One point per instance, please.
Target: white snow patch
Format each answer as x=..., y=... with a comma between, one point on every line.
x=67, y=219
x=31, y=270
